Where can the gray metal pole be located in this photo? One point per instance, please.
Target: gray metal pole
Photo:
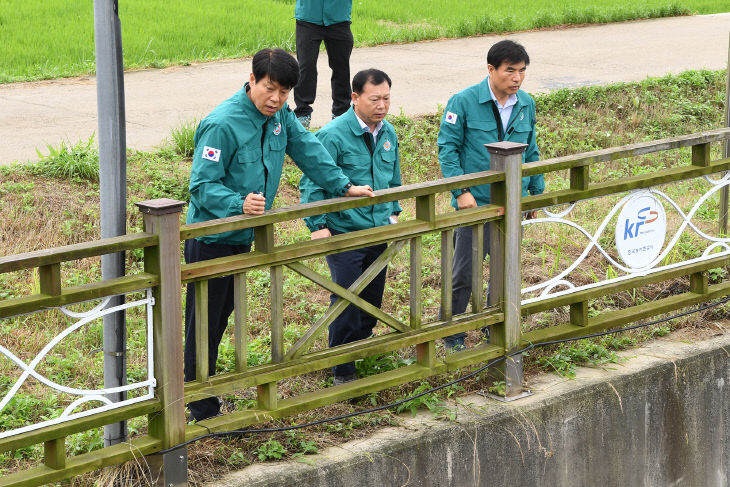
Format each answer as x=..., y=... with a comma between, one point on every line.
x=113, y=189
x=724, y=194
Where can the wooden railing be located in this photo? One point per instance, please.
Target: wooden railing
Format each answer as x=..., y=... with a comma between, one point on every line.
x=164, y=273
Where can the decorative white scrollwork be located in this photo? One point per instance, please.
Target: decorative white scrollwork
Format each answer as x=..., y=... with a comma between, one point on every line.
x=545, y=288
x=86, y=395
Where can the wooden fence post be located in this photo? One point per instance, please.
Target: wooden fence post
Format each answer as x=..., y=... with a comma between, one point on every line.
x=162, y=217
x=507, y=240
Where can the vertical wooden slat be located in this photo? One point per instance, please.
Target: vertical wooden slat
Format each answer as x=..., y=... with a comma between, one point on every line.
x=266, y=396
x=264, y=242
x=416, y=282
x=240, y=317
x=49, y=279
x=698, y=283
x=277, y=313
x=579, y=313
x=580, y=178
x=426, y=207
x=202, y=370
x=54, y=453
x=447, y=258
x=477, y=268
x=701, y=155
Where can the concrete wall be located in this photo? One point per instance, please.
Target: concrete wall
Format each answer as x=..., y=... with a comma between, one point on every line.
x=658, y=419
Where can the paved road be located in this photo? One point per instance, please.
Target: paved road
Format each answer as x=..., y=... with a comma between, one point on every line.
x=424, y=75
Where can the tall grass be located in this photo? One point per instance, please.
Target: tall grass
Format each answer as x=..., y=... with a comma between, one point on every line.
x=41, y=40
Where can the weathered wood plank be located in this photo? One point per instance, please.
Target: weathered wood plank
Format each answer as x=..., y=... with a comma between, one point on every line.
x=351, y=295
x=39, y=258
x=77, y=294
x=615, y=319
x=625, y=184
x=80, y=464
x=49, y=277
x=623, y=152
x=447, y=258
x=286, y=254
x=224, y=383
x=77, y=425
x=367, y=385
x=617, y=287
x=338, y=204
x=240, y=319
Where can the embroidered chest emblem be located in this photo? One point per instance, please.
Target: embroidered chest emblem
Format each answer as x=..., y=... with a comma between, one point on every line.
x=277, y=129
x=386, y=146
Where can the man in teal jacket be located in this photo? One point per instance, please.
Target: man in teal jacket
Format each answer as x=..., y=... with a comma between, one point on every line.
x=491, y=111
x=325, y=21
x=365, y=146
x=239, y=154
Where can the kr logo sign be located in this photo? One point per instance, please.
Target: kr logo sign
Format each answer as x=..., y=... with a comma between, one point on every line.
x=640, y=230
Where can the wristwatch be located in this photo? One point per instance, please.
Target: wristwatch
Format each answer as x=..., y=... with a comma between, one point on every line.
x=346, y=188
x=464, y=190
x=322, y=226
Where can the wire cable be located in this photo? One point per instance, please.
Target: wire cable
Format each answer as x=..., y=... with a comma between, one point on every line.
x=242, y=432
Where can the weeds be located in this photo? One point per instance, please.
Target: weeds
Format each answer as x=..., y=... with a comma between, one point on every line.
x=78, y=161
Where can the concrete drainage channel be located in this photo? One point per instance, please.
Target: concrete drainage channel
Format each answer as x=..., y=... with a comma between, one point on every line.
x=660, y=418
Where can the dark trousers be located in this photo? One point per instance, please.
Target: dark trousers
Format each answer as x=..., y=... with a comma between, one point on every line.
x=338, y=41
x=461, y=280
x=220, y=306
x=354, y=324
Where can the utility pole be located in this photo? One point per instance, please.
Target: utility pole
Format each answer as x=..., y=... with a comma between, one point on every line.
x=724, y=196
x=113, y=190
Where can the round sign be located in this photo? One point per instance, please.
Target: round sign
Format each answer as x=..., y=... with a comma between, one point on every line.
x=640, y=230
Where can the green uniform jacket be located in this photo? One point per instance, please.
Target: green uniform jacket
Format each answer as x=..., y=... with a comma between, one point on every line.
x=248, y=161
x=468, y=123
x=342, y=137
x=323, y=12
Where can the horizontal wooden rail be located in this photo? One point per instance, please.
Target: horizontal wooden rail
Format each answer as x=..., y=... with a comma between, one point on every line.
x=82, y=250
x=68, y=428
x=642, y=181
x=77, y=294
x=224, y=383
x=360, y=387
x=337, y=204
x=615, y=319
x=617, y=287
x=286, y=254
x=631, y=150
x=79, y=464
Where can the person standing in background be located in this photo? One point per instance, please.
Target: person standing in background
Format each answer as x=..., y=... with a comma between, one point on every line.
x=318, y=21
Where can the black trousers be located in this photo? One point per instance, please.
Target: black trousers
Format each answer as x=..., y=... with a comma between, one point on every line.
x=354, y=324
x=338, y=41
x=220, y=307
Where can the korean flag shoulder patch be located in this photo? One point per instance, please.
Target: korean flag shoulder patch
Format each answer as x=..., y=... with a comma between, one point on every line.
x=211, y=153
x=451, y=117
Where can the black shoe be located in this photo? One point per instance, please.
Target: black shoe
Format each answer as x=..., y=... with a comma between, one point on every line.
x=343, y=379
x=207, y=408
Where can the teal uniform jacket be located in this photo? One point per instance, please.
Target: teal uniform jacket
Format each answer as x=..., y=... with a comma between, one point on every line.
x=469, y=123
x=323, y=12
x=342, y=137
x=232, y=159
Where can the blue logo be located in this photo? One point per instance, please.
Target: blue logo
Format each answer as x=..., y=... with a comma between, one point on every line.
x=644, y=216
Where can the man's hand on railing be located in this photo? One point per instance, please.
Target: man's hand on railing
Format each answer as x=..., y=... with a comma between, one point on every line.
x=466, y=200
x=360, y=191
x=324, y=233
x=254, y=204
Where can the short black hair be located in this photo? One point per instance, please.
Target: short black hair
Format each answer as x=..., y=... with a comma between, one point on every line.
x=278, y=65
x=372, y=75
x=509, y=51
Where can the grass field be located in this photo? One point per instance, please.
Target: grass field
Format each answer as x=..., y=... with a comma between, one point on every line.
x=56, y=202
x=51, y=39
